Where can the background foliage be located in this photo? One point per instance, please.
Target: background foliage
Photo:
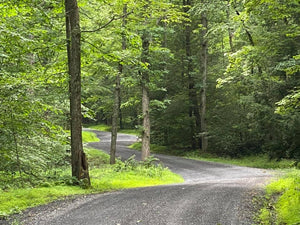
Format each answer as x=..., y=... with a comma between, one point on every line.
x=252, y=85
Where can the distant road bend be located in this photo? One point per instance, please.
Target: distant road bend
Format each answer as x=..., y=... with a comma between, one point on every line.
x=212, y=194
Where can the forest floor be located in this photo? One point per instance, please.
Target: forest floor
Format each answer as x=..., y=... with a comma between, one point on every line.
x=213, y=193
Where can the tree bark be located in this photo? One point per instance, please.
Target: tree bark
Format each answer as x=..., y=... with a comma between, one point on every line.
x=145, y=95
x=78, y=161
x=204, y=54
x=115, y=116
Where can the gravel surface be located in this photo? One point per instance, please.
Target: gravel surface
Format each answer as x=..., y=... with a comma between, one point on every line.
x=212, y=194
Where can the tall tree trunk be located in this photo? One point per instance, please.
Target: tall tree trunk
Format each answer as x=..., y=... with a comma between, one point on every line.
x=117, y=102
x=79, y=161
x=204, y=78
x=145, y=95
x=194, y=113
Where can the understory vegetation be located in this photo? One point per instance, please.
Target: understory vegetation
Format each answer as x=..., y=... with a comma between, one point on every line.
x=58, y=183
x=282, y=200
x=256, y=161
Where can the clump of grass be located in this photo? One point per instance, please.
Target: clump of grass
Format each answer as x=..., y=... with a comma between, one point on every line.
x=88, y=136
x=112, y=178
x=282, y=204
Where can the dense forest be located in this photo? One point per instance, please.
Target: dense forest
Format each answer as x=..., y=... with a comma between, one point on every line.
x=216, y=76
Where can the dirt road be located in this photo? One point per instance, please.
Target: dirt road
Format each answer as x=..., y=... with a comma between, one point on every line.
x=212, y=194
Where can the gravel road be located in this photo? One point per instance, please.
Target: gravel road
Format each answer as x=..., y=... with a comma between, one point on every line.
x=212, y=194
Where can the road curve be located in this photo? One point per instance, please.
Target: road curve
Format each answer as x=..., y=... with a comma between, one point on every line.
x=212, y=194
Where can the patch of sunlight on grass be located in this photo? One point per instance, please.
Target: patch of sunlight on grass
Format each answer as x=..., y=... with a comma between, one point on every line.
x=88, y=136
x=103, y=127
x=112, y=180
x=284, y=197
x=16, y=200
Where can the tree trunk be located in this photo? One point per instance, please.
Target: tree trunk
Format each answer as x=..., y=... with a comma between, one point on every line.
x=79, y=162
x=204, y=78
x=194, y=113
x=114, y=128
x=117, y=102
x=145, y=95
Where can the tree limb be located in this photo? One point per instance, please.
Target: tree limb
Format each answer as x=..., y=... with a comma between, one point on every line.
x=107, y=23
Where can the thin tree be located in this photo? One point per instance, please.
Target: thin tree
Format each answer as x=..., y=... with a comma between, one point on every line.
x=145, y=79
x=117, y=100
x=73, y=34
x=145, y=95
x=204, y=50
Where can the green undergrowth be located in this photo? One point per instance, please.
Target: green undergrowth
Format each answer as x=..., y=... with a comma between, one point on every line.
x=103, y=127
x=104, y=177
x=282, y=200
x=256, y=161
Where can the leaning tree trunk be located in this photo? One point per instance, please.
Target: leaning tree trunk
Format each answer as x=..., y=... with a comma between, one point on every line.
x=78, y=161
x=204, y=78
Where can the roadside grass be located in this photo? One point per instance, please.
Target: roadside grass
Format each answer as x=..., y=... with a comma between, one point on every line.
x=256, y=161
x=104, y=177
x=16, y=200
x=100, y=127
x=282, y=200
x=103, y=127
x=88, y=136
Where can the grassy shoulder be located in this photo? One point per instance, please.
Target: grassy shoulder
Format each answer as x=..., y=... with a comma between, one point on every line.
x=103, y=127
x=257, y=161
x=282, y=200
x=88, y=136
x=104, y=177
